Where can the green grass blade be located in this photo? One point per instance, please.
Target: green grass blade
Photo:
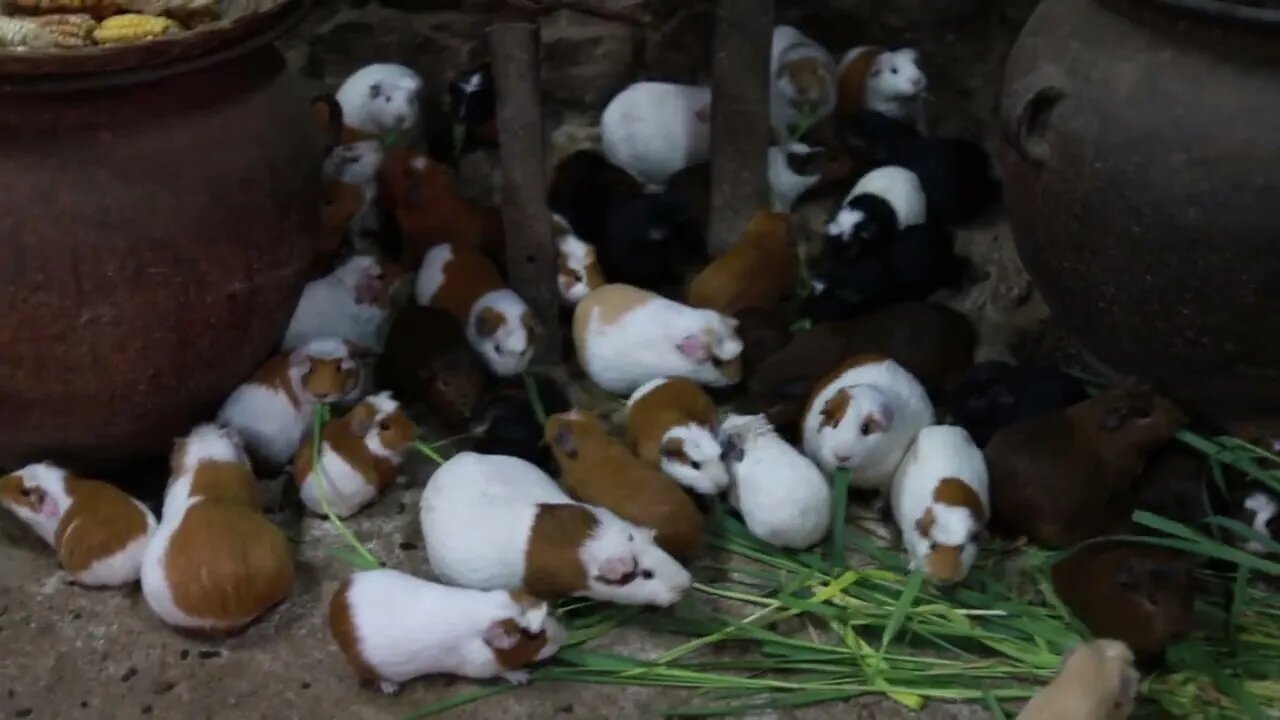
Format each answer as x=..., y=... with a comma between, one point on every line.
x=839, y=514
x=535, y=400
x=900, y=610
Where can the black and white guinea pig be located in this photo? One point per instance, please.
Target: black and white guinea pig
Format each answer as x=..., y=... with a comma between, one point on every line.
x=510, y=425
x=995, y=394
x=882, y=204
x=472, y=109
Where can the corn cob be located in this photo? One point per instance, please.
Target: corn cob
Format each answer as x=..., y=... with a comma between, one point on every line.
x=68, y=30
x=132, y=28
x=98, y=9
x=22, y=33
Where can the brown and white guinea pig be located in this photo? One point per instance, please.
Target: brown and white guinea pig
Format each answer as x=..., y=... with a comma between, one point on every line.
x=940, y=502
x=420, y=193
x=1096, y=681
x=497, y=321
x=273, y=409
x=98, y=531
x=760, y=270
x=351, y=303
x=577, y=266
x=215, y=563
x=887, y=81
x=804, y=82
x=1054, y=476
x=671, y=423
x=326, y=112
x=360, y=456
x=427, y=359
x=863, y=418
x=1139, y=593
x=350, y=173
x=597, y=468
x=393, y=627
x=626, y=337
x=492, y=522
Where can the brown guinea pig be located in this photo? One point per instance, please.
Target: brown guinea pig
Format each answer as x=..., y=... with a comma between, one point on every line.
x=758, y=271
x=764, y=332
x=1141, y=594
x=1055, y=477
x=1173, y=484
x=597, y=468
x=426, y=359
x=1097, y=681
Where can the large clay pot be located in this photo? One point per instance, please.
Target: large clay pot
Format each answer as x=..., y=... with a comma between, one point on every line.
x=1141, y=151
x=156, y=225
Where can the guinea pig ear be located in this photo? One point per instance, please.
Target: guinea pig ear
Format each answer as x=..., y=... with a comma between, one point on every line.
x=924, y=523
x=327, y=114
x=617, y=570
x=500, y=636
x=362, y=417
x=564, y=442
x=834, y=409
x=695, y=348
x=1113, y=417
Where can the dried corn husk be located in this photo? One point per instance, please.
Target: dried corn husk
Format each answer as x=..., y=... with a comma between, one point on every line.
x=132, y=28
x=191, y=13
x=69, y=30
x=22, y=33
x=98, y=9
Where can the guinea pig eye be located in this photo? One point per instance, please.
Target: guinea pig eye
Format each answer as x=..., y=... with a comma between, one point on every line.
x=25, y=492
x=866, y=428
x=631, y=538
x=384, y=425
x=894, y=71
x=695, y=464
x=646, y=574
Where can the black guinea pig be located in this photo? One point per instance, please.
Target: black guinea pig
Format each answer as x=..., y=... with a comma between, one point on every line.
x=995, y=394
x=426, y=359
x=509, y=424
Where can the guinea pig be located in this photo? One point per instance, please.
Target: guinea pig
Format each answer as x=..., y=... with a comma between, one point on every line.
x=597, y=468
x=582, y=188
x=653, y=129
x=510, y=426
x=492, y=522
x=940, y=501
x=671, y=423
x=1174, y=484
x=796, y=168
x=427, y=359
x=804, y=85
x=274, y=408
x=880, y=206
x=1053, y=476
x=1260, y=510
x=1096, y=681
x=498, y=322
x=760, y=270
x=98, y=531
x=393, y=627
x=326, y=112
x=764, y=333
x=1139, y=593
x=626, y=337
x=692, y=187
x=429, y=211
x=351, y=303
x=577, y=264
x=887, y=81
x=215, y=563
x=350, y=173
x=995, y=394
x=863, y=417
x=380, y=98
x=360, y=455
x=784, y=498
x=473, y=109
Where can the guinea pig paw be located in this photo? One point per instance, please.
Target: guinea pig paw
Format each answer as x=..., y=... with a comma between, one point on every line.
x=517, y=677
x=386, y=687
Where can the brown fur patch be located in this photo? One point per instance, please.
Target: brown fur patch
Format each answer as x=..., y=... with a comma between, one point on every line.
x=851, y=363
x=327, y=379
x=488, y=321
x=552, y=566
x=226, y=482
x=944, y=564
x=834, y=409
x=673, y=449
x=678, y=401
x=807, y=76
x=343, y=629
x=524, y=651
x=851, y=86
x=957, y=493
x=13, y=491
x=346, y=435
x=758, y=271
x=101, y=521
x=924, y=524
x=431, y=211
x=274, y=374
x=468, y=275
x=525, y=599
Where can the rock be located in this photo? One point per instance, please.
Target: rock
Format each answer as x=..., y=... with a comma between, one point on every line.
x=586, y=60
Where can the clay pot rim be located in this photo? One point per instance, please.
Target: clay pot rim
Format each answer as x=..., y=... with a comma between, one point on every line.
x=60, y=70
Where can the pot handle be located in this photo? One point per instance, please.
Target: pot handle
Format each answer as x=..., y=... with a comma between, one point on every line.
x=1026, y=114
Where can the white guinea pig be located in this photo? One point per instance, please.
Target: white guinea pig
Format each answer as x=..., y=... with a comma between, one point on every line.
x=393, y=627
x=882, y=203
x=887, y=81
x=863, y=418
x=350, y=303
x=940, y=501
x=380, y=98
x=626, y=337
x=783, y=497
x=804, y=86
x=492, y=522
x=653, y=130
x=577, y=266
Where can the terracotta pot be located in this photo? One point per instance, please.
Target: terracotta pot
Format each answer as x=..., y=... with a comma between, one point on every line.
x=1142, y=170
x=158, y=220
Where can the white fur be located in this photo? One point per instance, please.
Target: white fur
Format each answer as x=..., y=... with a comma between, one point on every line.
x=711, y=477
x=431, y=273
x=406, y=627
x=508, y=351
x=783, y=497
x=645, y=389
x=1264, y=507
x=395, y=108
x=898, y=186
x=574, y=251
x=477, y=513
x=939, y=451
x=784, y=183
x=328, y=308
x=877, y=387
x=358, y=164
x=267, y=421
x=338, y=485
x=643, y=345
x=120, y=568
x=652, y=131
x=789, y=44
x=897, y=94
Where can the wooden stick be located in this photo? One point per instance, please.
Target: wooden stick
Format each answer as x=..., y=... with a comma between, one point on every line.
x=531, y=254
x=739, y=117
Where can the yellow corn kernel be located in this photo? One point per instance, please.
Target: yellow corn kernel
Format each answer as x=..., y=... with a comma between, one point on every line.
x=69, y=30
x=133, y=27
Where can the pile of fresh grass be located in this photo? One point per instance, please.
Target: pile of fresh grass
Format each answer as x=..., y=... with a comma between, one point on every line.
x=772, y=629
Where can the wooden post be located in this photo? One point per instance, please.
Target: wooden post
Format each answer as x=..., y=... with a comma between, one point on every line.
x=531, y=255
x=739, y=117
